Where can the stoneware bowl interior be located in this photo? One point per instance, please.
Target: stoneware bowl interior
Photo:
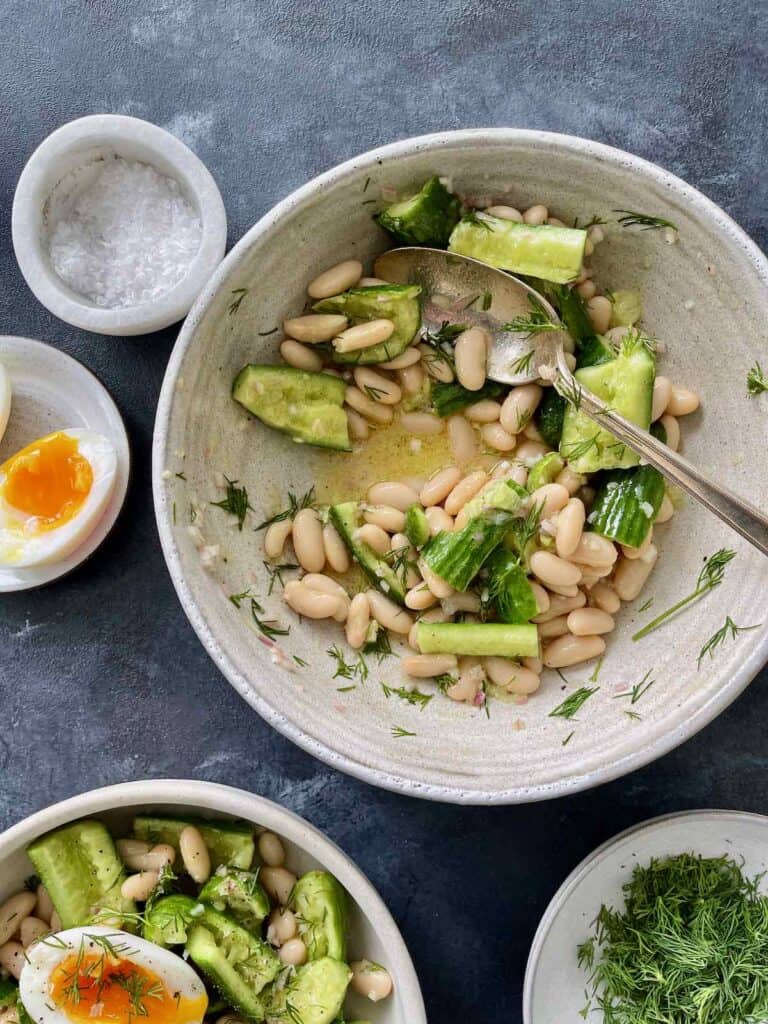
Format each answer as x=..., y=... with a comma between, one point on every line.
x=373, y=932
x=705, y=297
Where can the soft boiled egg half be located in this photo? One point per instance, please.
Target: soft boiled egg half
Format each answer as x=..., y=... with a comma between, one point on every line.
x=95, y=974
x=52, y=495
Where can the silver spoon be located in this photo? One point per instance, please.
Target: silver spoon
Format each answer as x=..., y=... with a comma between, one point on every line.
x=453, y=287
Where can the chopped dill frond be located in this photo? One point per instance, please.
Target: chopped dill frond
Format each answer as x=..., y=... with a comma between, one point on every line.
x=711, y=576
x=236, y=502
x=757, y=382
x=573, y=703
x=631, y=219
x=295, y=505
x=728, y=629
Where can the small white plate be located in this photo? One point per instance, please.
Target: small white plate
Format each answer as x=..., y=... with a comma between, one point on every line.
x=554, y=983
x=52, y=391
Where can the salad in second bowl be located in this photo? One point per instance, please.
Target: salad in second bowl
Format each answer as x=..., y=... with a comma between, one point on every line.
x=181, y=921
x=514, y=550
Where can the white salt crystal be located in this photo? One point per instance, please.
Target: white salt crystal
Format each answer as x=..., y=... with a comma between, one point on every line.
x=129, y=238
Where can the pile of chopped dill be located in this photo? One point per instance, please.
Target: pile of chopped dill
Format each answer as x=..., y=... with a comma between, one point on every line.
x=691, y=947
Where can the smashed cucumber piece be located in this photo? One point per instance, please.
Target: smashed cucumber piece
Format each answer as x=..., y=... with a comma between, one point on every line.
x=509, y=589
x=313, y=994
x=166, y=923
x=320, y=904
x=345, y=518
x=478, y=638
x=552, y=253
x=544, y=471
x=459, y=556
x=228, y=842
x=626, y=385
x=448, y=399
x=626, y=504
x=549, y=417
x=505, y=495
x=626, y=308
x=425, y=219
x=306, y=406
x=9, y=993
x=396, y=302
x=239, y=894
x=417, y=526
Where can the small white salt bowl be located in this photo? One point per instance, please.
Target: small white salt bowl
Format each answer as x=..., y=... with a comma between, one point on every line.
x=55, y=176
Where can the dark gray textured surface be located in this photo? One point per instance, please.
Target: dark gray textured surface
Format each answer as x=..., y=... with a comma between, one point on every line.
x=102, y=679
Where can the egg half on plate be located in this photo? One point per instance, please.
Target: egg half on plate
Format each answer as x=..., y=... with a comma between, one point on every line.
x=52, y=495
x=5, y=399
x=98, y=975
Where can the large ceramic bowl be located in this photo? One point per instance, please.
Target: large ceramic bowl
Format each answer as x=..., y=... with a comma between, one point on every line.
x=372, y=931
x=706, y=297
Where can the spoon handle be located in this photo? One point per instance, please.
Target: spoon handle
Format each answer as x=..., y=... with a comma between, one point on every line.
x=743, y=517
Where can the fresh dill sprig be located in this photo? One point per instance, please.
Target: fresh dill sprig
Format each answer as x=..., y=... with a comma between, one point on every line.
x=639, y=689
x=523, y=363
x=576, y=449
x=590, y=223
x=573, y=703
x=757, y=382
x=538, y=321
x=139, y=989
x=401, y=562
x=596, y=670
x=240, y=294
x=711, y=576
x=569, y=389
x=380, y=647
x=236, y=502
x=471, y=217
x=265, y=626
x=485, y=299
x=180, y=476
x=568, y=738
x=295, y=505
x=445, y=681
x=631, y=219
x=398, y=732
x=275, y=573
x=357, y=669
x=728, y=629
x=646, y=605
x=300, y=661
x=237, y=599
x=439, y=344
x=373, y=393
x=415, y=697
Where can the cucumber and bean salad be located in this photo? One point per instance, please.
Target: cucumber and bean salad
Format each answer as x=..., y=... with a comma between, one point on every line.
x=517, y=553
x=181, y=920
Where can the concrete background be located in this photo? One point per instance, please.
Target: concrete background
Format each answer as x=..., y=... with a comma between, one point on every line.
x=102, y=679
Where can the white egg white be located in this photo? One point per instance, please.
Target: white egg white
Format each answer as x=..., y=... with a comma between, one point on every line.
x=5, y=399
x=22, y=544
x=44, y=956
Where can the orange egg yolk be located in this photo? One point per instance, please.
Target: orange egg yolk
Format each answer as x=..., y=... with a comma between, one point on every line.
x=49, y=479
x=97, y=988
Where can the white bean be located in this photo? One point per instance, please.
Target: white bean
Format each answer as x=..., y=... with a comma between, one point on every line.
x=282, y=926
x=463, y=441
x=559, y=605
x=308, y=540
x=373, y=411
x=532, y=432
x=464, y=491
x=496, y=437
x=512, y=677
x=570, y=526
x=312, y=604
x=554, y=571
x=536, y=215
x=437, y=368
x=423, y=424
x=599, y=311
x=378, y=387
x=519, y=406
x=662, y=392
x=557, y=626
x=461, y=601
x=357, y=425
x=13, y=912
x=551, y=498
x=357, y=620
x=412, y=379
x=365, y=335
x=529, y=452
x=44, y=904
x=504, y=212
x=56, y=925
x=682, y=401
x=590, y=622
x=470, y=353
x=572, y=650
x=571, y=481
x=419, y=598
x=335, y=280
x=372, y=282
x=439, y=486
x=587, y=289
x=541, y=597
x=388, y=614
x=374, y=537
x=603, y=596
x=465, y=688
x=278, y=882
x=155, y=858
x=271, y=850
x=275, y=538
x=425, y=666
x=194, y=854
x=638, y=552
x=370, y=980
x=336, y=554
x=672, y=428
x=484, y=411
x=293, y=952
x=300, y=357
x=409, y=357
x=593, y=549
x=325, y=585
x=393, y=493
x=666, y=510
x=437, y=585
x=390, y=519
x=631, y=574
x=565, y=591
x=438, y=520
x=32, y=929
x=139, y=886
x=314, y=328
x=12, y=958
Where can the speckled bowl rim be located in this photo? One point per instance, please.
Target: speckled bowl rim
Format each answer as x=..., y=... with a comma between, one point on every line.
x=593, y=862
x=473, y=137
x=240, y=804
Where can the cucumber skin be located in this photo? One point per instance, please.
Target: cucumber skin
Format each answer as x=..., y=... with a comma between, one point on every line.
x=417, y=526
x=344, y=519
x=315, y=993
x=448, y=399
x=239, y=894
x=616, y=511
x=426, y=218
x=552, y=253
x=228, y=843
x=512, y=594
x=549, y=417
x=203, y=950
x=9, y=992
x=478, y=638
x=363, y=304
x=459, y=556
x=167, y=922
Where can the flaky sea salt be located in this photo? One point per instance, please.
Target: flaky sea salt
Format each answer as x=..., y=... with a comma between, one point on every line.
x=130, y=236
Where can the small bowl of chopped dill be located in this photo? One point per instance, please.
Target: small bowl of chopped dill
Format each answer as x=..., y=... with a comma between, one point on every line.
x=667, y=923
x=117, y=225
